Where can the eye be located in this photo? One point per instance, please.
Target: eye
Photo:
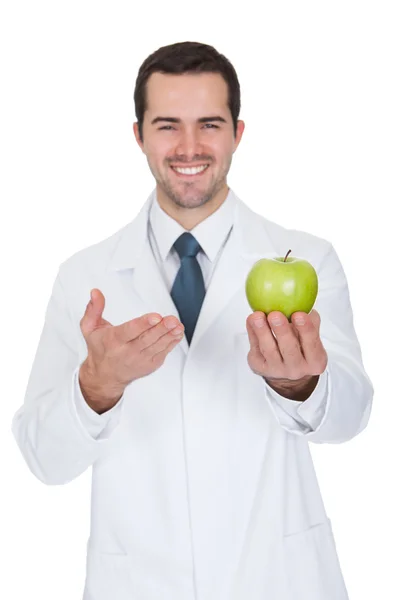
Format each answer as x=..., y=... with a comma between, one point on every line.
x=206, y=125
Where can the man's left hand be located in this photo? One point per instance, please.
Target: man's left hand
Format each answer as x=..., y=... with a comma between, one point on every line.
x=292, y=359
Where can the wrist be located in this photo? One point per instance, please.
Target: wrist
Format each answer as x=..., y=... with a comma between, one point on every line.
x=97, y=395
x=294, y=389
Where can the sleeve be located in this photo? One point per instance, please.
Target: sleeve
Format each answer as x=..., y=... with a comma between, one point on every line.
x=58, y=436
x=339, y=408
x=308, y=413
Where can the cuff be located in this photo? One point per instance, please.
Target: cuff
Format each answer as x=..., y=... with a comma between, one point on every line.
x=98, y=426
x=301, y=416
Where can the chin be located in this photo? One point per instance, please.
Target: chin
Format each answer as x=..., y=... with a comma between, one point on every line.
x=190, y=200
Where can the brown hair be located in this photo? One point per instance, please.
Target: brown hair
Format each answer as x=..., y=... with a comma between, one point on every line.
x=186, y=57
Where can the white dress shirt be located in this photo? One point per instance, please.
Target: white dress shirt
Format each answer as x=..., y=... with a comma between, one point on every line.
x=212, y=234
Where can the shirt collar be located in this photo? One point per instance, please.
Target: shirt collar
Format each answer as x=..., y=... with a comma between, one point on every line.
x=210, y=233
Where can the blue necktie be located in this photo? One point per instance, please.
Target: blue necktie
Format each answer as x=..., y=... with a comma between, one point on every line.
x=188, y=290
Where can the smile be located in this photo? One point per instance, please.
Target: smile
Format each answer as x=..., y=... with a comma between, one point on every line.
x=190, y=170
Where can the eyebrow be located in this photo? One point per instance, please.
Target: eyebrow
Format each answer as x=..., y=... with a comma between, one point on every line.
x=201, y=120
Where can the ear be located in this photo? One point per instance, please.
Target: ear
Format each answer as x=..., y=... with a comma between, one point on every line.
x=137, y=136
x=239, y=133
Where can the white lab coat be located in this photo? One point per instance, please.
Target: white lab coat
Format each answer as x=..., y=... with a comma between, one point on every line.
x=203, y=486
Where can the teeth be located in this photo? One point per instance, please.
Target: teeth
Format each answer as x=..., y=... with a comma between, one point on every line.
x=190, y=171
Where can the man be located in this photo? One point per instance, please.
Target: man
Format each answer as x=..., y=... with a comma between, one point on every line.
x=203, y=485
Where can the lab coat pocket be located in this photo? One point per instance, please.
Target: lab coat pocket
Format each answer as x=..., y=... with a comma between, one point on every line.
x=312, y=566
x=108, y=576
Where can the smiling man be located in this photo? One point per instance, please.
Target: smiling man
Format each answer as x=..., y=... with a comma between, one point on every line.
x=194, y=413
x=188, y=135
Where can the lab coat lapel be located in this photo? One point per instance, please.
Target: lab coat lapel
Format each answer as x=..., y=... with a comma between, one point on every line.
x=134, y=262
x=150, y=286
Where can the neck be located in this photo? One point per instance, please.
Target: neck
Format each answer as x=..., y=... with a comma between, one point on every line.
x=190, y=217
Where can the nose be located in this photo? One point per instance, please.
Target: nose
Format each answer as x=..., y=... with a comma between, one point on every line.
x=189, y=144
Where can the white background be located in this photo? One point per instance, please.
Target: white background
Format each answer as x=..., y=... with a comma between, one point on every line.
x=320, y=152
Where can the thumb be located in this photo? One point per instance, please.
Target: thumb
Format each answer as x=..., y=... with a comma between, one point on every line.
x=93, y=313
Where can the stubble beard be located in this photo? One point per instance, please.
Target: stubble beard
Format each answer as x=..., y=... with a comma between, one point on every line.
x=190, y=197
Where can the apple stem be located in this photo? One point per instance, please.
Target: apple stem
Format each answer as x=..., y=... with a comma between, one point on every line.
x=287, y=255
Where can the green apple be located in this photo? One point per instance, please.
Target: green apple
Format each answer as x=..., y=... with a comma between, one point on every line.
x=286, y=284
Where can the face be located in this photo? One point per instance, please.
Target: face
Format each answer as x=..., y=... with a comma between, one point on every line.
x=188, y=125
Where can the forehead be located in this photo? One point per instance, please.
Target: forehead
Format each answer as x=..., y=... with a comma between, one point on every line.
x=189, y=93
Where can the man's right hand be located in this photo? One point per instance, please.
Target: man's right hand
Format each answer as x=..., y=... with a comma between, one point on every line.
x=117, y=355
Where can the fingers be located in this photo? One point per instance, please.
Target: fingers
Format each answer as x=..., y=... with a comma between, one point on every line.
x=166, y=347
x=316, y=319
x=277, y=345
x=288, y=344
x=253, y=338
x=130, y=330
x=280, y=349
x=159, y=337
x=147, y=334
x=313, y=350
x=263, y=342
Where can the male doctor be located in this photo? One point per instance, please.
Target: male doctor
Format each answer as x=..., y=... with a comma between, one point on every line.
x=194, y=412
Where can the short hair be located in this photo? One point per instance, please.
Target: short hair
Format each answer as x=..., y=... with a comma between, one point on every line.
x=186, y=57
